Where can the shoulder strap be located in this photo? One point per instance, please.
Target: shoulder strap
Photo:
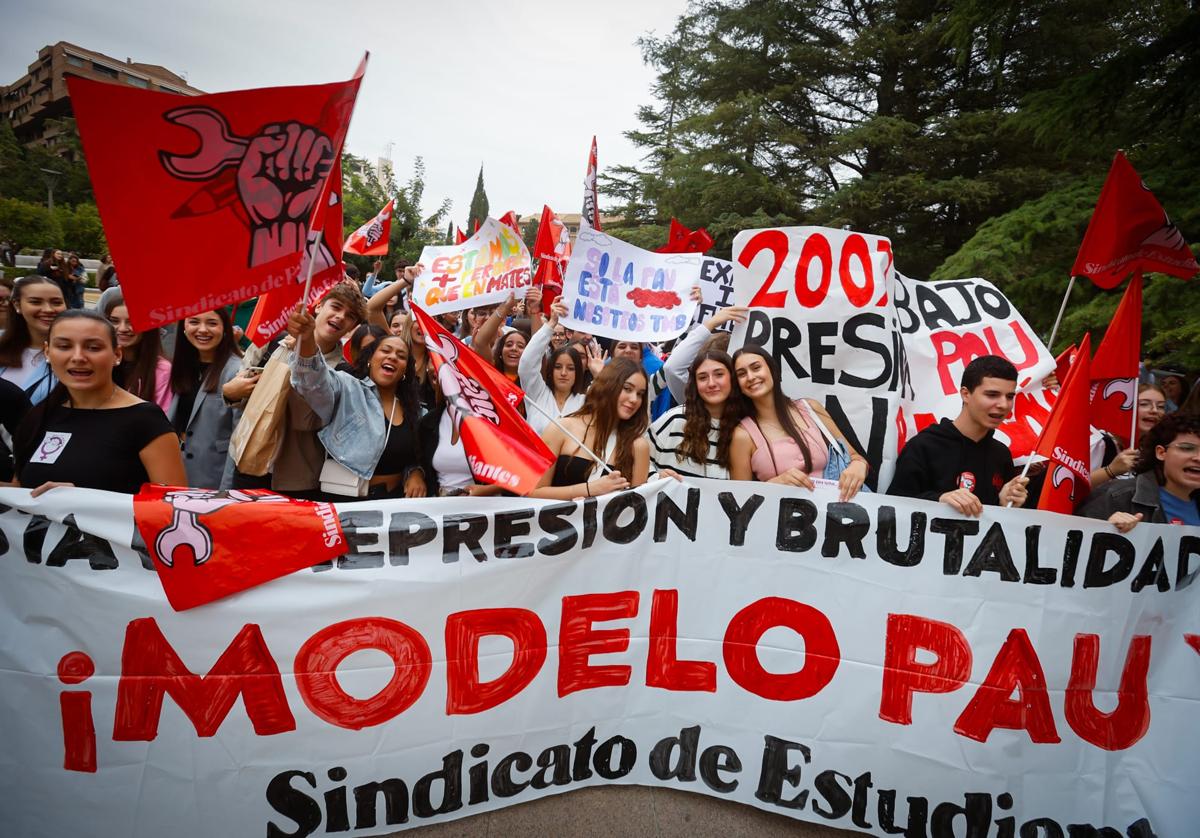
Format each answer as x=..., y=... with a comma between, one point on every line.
x=816, y=419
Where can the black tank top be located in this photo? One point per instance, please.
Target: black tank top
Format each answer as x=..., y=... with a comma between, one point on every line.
x=569, y=470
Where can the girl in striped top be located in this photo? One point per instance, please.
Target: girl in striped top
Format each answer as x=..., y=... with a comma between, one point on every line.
x=686, y=439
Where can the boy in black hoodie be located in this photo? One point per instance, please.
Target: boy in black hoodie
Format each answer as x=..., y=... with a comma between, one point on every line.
x=959, y=462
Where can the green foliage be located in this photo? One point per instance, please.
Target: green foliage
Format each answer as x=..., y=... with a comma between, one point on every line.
x=365, y=191
x=974, y=135
x=28, y=225
x=479, y=205
x=81, y=230
x=21, y=168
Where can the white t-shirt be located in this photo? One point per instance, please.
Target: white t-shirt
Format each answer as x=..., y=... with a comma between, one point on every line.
x=450, y=458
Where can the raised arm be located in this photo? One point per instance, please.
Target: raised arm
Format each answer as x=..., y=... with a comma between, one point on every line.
x=377, y=303
x=485, y=340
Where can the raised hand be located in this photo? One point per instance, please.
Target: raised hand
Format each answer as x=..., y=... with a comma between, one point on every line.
x=724, y=315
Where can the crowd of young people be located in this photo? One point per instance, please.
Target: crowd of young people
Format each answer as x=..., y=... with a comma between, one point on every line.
x=104, y=408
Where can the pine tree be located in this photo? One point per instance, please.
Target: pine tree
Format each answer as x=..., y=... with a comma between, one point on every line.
x=479, y=205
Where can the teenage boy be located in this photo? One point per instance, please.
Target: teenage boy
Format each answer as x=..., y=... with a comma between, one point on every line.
x=297, y=467
x=958, y=462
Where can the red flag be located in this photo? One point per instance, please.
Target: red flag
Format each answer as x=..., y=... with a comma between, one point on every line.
x=273, y=308
x=1114, y=370
x=552, y=249
x=510, y=218
x=501, y=447
x=591, y=198
x=234, y=176
x=209, y=544
x=1129, y=231
x=1065, y=441
x=1062, y=364
x=371, y=239
x=682, y=240
x=460, y=236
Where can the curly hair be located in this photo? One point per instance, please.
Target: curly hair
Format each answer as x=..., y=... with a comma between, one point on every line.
x=1172, y=426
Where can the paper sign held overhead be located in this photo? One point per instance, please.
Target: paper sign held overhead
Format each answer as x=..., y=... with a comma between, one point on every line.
x=483, y=270
x=616, y=290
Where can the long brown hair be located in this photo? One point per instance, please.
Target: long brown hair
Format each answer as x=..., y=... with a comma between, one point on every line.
x=185, y=366
x=600, y=408
x=697, y=423
x=17, y=337
x=140, y=376
x=745, y=408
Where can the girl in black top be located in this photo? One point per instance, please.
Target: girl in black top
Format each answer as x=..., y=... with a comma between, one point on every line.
x=612, y=423
x=89, y=432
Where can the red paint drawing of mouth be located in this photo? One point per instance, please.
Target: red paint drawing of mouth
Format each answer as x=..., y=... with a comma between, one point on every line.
x=643, y=297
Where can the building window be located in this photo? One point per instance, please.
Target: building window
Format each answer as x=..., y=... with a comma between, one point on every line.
x=166, y=89
x=104, y=71
x=136, y=82
x=76, y=61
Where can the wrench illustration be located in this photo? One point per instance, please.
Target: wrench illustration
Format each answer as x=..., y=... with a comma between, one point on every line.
x=278, y=176
x=186, y=530
x=219, y=147
x=1121, y=385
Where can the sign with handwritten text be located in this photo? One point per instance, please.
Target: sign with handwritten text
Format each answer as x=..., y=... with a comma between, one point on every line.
x=616, y=290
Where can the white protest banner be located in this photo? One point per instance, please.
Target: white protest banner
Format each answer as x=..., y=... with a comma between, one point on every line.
x=882, y=665
x=716, y=286
x=948, y=323
x=616, y=290
x=822, y=306
x=483, y=270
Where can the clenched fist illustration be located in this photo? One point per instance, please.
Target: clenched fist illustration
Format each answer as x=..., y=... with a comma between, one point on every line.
x=279, y=182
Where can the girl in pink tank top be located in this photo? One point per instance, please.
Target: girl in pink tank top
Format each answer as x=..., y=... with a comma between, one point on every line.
x=778, y=440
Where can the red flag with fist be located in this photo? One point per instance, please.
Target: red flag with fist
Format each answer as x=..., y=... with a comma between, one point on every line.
x=208, y=200
x=1129, y=231
x=272, y=309
x=371, y=239
x=501, y=447
x=1065, y=442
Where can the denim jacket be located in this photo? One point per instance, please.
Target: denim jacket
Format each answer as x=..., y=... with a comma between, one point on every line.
x=354, y=428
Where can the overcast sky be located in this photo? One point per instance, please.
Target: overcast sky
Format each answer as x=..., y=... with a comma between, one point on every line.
x=520, y=87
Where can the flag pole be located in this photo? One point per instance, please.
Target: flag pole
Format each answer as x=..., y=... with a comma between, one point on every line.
x=1061, y=310
x=606, y=468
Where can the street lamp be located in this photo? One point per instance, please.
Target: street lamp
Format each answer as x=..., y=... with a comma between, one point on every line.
x=50, y=177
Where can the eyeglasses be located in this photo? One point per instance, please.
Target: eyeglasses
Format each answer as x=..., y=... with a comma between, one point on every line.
x=1188, y=448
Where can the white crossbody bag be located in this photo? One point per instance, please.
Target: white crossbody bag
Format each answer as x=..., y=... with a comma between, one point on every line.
x=336, y=479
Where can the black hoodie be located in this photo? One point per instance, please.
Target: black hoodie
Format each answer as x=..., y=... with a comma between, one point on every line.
x=940, y=459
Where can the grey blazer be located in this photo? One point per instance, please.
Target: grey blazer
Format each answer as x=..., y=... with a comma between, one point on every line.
x=205, y=443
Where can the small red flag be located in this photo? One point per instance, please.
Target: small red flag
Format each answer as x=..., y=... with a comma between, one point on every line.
x=1062, y=364
x=1065, y=441
x=371, y=239
x=1114, y=370
x=682, y=240
x=272, y=310
x=552, y=249
x=510, y=218
x=236, y=176
x=591, y=197
x=460, y=236
x=1129, y=231
x=209, y=544
x=501, y=447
